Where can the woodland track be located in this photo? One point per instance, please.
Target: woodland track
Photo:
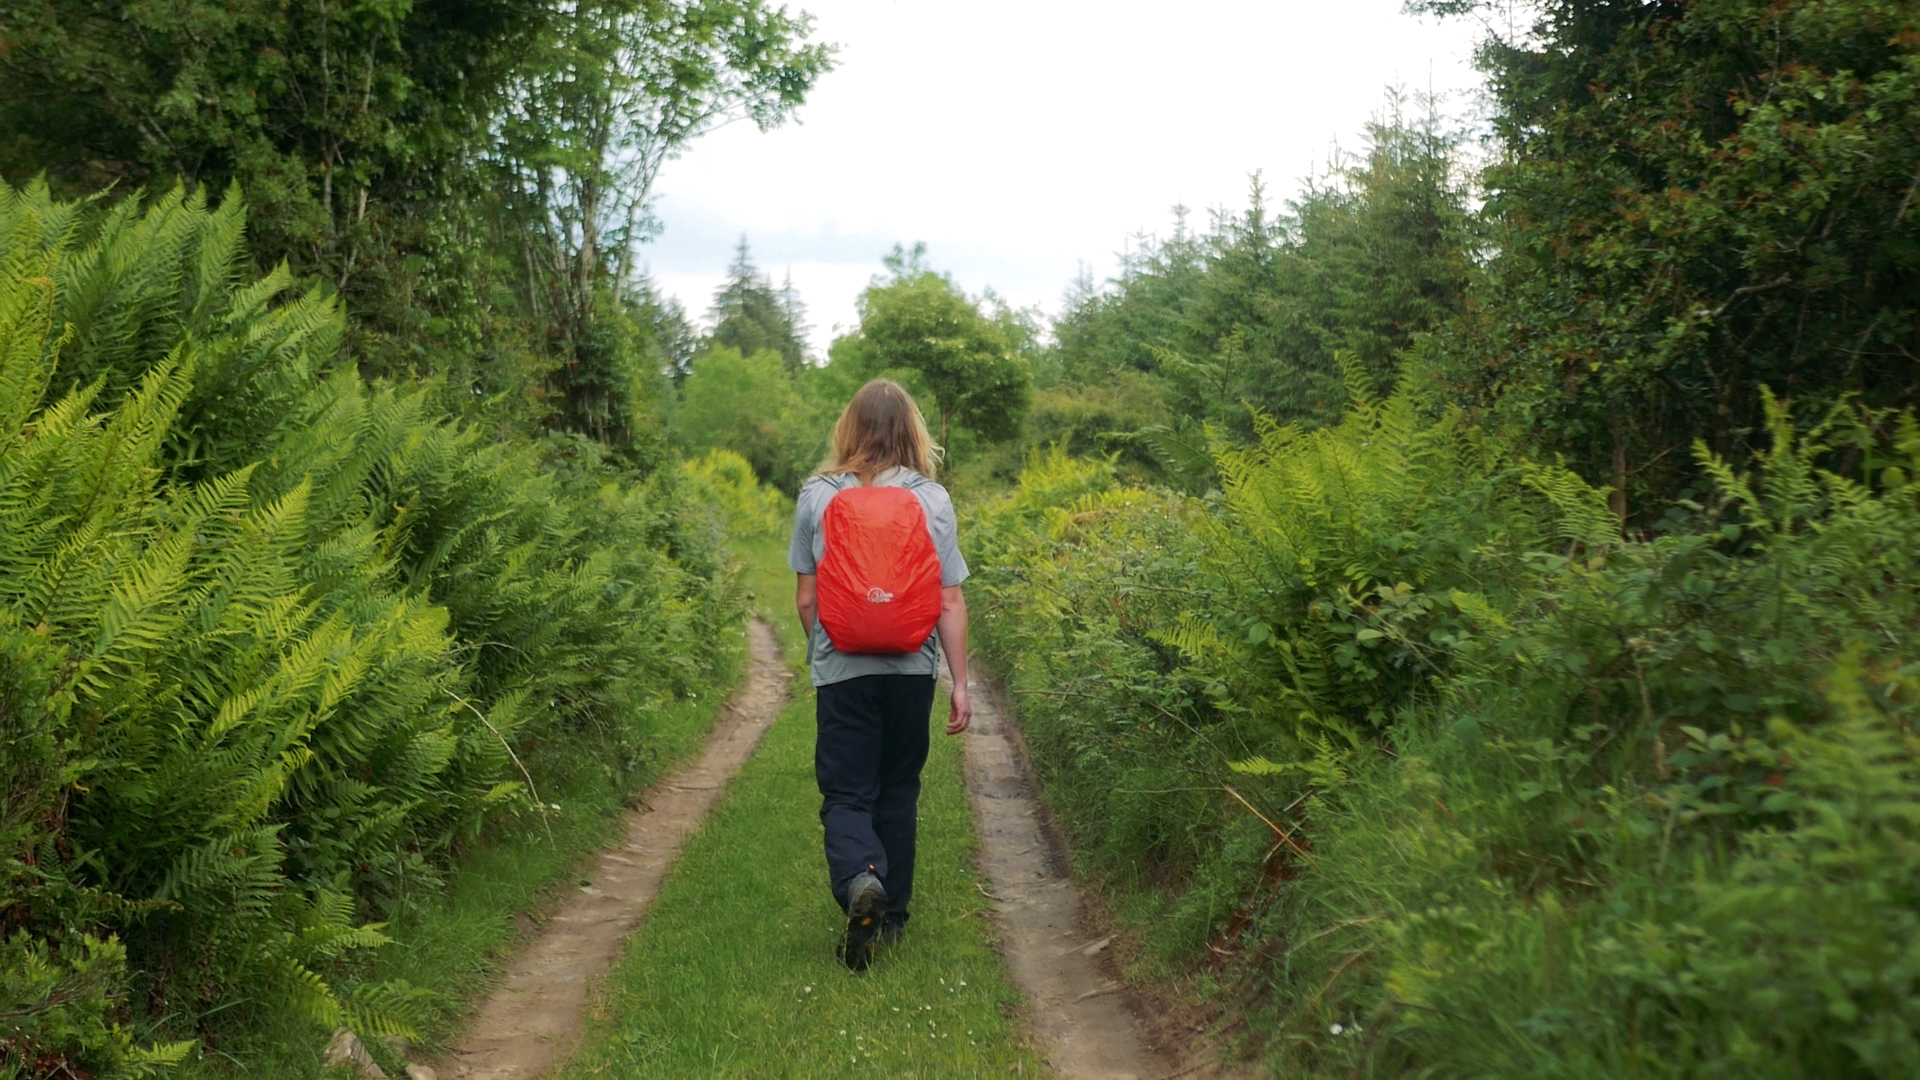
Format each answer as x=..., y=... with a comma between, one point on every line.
x=1077, y=1010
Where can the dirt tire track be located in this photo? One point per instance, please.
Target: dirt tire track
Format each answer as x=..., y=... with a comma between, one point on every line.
x=1077, y=1007
x=532, y=1020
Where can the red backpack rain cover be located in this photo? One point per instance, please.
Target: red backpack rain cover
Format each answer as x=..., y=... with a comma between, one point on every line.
x=879, y=580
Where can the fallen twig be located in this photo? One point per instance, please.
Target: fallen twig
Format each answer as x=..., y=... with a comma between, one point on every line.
x=1285, y=836
x=504, y=745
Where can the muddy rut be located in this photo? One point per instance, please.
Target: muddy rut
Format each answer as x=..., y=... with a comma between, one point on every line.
x=532, y=1020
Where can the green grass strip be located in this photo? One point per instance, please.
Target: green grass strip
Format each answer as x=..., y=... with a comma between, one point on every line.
x=732, y=974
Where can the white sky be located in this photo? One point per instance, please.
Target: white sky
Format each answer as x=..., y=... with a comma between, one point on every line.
x=1023, y=138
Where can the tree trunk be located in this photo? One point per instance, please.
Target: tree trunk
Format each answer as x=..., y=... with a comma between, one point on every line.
x=1618, y=499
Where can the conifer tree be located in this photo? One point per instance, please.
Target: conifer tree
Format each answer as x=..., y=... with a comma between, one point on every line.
x=751, y=316
x=1384, y=241
x=1252, y=313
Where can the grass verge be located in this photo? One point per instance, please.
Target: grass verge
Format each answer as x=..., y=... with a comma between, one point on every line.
x=769, y=586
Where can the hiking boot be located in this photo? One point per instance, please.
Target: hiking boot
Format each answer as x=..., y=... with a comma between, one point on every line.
x=890, y=932
x=866, y=915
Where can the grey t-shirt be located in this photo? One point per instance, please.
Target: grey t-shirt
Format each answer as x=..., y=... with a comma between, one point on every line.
x=809, y=546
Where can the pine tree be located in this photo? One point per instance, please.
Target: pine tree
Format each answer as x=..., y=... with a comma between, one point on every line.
x=751, y=316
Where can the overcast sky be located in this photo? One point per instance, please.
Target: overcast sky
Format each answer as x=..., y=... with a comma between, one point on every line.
x=1022, y=139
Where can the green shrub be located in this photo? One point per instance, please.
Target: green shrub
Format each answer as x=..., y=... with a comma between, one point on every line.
x=1660, y=823
x=1102, y=418
x=1073, y=575
x=1311, y=599
x=752, y=406
x=1336, y=552
x=745, y=508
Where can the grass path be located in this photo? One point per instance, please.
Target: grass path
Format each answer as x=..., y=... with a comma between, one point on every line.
x=733, y=975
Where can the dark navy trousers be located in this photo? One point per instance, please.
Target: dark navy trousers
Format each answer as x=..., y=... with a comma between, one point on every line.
x=868, y=750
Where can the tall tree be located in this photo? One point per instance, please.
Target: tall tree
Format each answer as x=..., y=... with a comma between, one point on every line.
x=472, y=176
x=1253, y=312
x=751, y=406
x=1384, y=240
x=621, y=87
x=351, y=127
x=1249, y=339
x=920, y=320
x=1122, y=325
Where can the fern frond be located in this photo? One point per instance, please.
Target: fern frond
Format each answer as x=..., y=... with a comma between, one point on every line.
x=1354, y=379
x=1581, y=511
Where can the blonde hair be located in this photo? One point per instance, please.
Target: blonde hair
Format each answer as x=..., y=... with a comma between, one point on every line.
x=879, y=429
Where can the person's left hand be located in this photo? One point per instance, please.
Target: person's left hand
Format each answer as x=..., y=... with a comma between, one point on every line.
x=962, y=711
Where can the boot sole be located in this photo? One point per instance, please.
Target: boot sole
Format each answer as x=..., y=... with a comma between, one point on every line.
x=864, y=917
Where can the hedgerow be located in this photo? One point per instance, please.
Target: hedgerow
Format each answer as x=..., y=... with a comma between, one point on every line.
x=275, y=642
x=1437, y=774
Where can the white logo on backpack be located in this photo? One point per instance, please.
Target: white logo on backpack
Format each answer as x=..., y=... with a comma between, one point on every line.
x=878, y=595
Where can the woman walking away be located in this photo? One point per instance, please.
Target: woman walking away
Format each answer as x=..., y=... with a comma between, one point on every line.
x=876, y=549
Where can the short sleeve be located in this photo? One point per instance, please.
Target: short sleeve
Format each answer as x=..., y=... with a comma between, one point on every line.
x=805, y=520
x=945, y=527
